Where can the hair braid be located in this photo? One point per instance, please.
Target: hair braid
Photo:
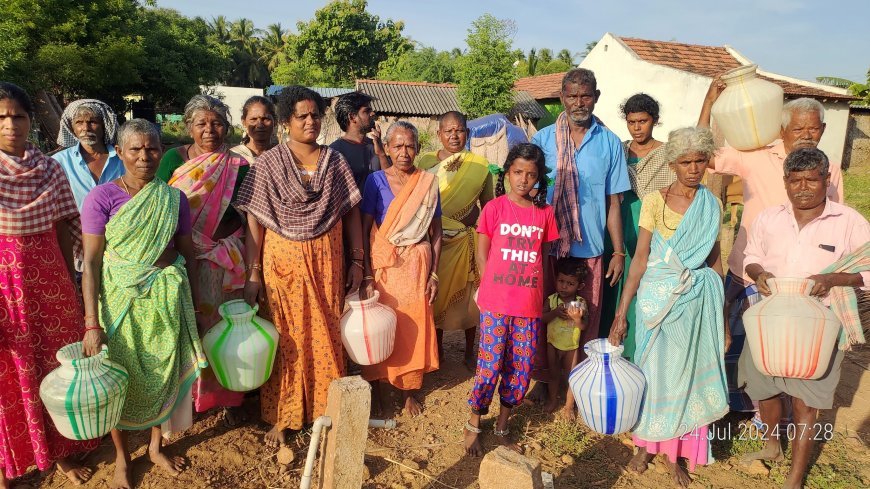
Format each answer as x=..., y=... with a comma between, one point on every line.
x=499, y=185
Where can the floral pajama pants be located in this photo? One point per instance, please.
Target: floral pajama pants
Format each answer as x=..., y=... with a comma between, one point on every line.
x=507, y=347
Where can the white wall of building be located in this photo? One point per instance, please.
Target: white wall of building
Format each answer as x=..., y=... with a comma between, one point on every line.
x=234, y=97
x=621, y=74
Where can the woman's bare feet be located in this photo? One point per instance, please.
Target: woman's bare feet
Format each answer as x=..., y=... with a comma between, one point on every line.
x=472, y=443
x=123, y=478
x=275, y=437
x=640, y=462
x=504, y=441
x=568, y=412
x=77, y=474
x=772, y=452
x=538, y=395
x=233, y=416
x=679, y=474
x=173, y=465
x=412, y=405
x=552, y=405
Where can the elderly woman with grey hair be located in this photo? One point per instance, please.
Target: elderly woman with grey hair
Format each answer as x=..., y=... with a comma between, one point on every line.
x=681, y=339
x=401, y=211
x=133, y=227
x=210, y=175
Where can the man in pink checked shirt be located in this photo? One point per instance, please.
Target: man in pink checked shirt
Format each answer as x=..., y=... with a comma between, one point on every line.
x=801, y=239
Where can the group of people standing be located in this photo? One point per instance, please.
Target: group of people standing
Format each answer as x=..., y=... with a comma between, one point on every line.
x=534, y=253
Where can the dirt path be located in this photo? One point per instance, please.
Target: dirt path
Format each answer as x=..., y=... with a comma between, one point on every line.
x=235, y=458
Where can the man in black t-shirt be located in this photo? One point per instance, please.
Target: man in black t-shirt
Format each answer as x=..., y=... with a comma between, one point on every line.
x=361, y=144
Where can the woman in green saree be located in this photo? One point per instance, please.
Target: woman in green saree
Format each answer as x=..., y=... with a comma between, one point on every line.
x=139, y=289
x=648, y=171
x=464, y=181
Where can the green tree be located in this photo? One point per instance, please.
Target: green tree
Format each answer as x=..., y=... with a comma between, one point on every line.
x=220, y=30
x=179, y=62
x=589, y=47
x=273, y=46
x=554, y=66
x=485, y=73
x=545, y=55
x=857, y=89
x=424, y=64
x=70, y=47
x=249, y=70
x=347, y=42
x=566, y=57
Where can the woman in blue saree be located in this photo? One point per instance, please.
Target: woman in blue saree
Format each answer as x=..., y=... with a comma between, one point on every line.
x=681, y=341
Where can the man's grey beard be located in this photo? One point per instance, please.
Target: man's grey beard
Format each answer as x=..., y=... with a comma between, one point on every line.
x=89, y=139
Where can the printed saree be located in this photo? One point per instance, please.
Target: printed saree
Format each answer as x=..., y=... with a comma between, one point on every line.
x=208, y=182
x=681, y=346
x=460, y=189
x=148, y=311
x=401, y=258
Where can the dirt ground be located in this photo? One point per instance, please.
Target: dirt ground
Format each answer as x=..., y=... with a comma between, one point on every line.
x=426, y=452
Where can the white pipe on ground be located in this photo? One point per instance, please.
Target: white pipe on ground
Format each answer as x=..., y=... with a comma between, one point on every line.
x=319, y=423
x=326, y=421
x=387, y=424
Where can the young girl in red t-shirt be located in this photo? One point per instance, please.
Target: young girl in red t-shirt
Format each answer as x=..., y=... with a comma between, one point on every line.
x=514, y=230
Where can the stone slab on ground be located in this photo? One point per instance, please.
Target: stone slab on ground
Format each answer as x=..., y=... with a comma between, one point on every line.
x=503, y=464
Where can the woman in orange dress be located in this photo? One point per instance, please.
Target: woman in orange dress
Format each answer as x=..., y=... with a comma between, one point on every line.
x=405, y=246
x=301, y=205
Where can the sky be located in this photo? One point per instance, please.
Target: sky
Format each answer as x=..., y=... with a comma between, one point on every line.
x=799, y=38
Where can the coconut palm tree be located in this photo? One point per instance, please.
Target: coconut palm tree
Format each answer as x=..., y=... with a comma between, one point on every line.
x=566, y=57
x=857, y=89
x=249, y=70
x=273, y=46
x=220, y=29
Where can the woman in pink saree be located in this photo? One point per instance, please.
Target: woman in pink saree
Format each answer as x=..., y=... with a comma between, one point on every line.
x=210, y=174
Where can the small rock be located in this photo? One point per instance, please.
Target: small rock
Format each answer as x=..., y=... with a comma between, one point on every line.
x=410, y=463
x=756, y=467
x=650, y=466
x=535, y=446
x=567, y=459
x=286, y=456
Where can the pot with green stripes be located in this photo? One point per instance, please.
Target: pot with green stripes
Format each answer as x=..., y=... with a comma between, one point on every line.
x=85, y=395
x=241, y=347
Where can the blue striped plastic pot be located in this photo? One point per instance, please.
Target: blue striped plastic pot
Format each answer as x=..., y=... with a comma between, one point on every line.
x=241, y=347
x=608, y=389
x=85, y=395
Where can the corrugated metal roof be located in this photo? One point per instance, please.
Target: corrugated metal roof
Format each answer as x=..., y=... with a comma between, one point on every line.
x=410, y=98
x=430, y=99
x=325, y=92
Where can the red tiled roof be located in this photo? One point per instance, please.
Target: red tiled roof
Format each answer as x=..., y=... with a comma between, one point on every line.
x=541, y=86
x=711, y=61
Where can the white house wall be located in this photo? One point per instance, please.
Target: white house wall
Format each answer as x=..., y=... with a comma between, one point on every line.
x=234, y=97
x=621, y=74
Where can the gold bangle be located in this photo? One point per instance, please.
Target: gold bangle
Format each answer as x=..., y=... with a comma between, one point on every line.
x=357, y=263
x=619, y=253
x=433, y=276
x=255, y=266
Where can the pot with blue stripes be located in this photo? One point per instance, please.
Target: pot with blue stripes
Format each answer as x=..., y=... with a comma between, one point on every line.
x=608, y=389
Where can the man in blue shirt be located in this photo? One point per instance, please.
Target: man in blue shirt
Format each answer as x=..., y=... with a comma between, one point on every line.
x=88, y=130
x=588, y=166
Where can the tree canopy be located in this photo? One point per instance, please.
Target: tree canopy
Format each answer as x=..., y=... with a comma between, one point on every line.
x=485, y=73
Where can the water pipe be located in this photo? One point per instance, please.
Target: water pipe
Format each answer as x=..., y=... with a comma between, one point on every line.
x=319, y=423
x=326, y=421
